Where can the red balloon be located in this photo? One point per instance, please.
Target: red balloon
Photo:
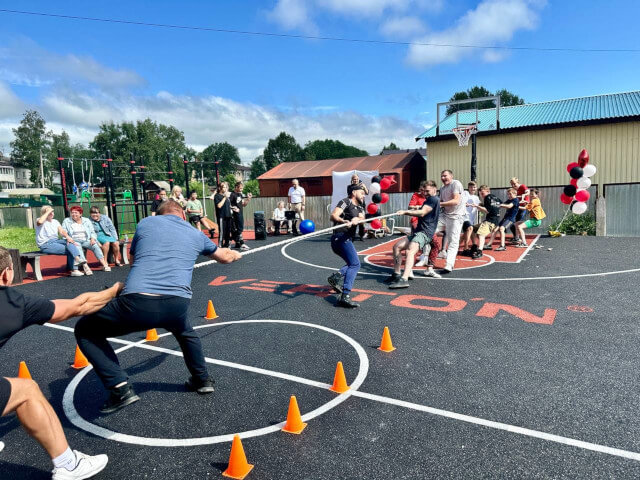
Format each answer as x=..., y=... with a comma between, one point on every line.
x=574, y=182
x=582, y=195
x=376, y=224
x=583, y=158
x=384, y=197
x=372, y=208
x=565, y=199
x=572, y=165
x=385, y=183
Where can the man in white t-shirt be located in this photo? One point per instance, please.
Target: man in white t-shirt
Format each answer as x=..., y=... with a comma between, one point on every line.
x=452, y=217
x=471, y=201
x=47, y=231
x=297, y=198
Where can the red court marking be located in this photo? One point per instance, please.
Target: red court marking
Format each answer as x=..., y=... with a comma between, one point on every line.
x=477, y=299
x=374, y=292
x=490, y=310
x=317, y=290
x=278, y=283
x=581, y=309
x=260, y=289
x=219, y=281
x=452, y=304
x=362, y=297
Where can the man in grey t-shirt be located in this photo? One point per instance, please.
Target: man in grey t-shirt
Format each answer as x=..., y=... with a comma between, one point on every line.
x=452, y=217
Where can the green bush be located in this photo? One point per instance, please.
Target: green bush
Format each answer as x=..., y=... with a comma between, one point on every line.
x=576, y=225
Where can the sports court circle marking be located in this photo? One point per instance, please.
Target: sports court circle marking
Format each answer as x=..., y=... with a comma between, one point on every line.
x=75, y=418
x=283, y=250
x=370, y=262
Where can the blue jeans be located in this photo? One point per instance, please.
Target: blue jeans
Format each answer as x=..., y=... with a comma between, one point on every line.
x=61, y=247
x=95, y=248
x=137, y=313
x=342, y=246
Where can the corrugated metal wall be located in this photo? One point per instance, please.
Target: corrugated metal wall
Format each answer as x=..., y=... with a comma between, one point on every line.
x=539, y=157
x=623, y=210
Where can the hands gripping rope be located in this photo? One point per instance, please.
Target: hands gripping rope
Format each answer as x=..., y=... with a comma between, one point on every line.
x=298, y=239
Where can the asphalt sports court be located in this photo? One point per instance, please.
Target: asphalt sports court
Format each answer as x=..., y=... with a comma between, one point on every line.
x=524, y=366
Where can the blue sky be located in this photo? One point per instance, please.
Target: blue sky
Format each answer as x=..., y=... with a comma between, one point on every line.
x=244, y=89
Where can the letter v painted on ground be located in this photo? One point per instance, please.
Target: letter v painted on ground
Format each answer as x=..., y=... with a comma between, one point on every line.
x=219, y=281
x=490, y=310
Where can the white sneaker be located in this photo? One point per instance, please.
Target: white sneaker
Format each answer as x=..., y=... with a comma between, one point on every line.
x=442, y=254
x=87, y=270
x=87, y=467
x=1, y=446
x=107, y=268
x=431, y=273
x=421, y=261
x=76, y=273
x=244, y=246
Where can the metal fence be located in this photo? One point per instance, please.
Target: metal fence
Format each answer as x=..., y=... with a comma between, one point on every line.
x=623, y=210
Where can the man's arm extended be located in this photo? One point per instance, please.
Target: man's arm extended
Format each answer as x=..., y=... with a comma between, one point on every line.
x=84, y=304
x=225, y=255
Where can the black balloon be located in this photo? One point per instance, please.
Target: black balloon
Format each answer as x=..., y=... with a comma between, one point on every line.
x=576, y=172
x=570, y=190
x=376, y=198
x=376, y=179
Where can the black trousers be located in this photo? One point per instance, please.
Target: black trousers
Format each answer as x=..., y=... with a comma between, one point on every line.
x=225, y=226
x=238, y=228
x=137, y=313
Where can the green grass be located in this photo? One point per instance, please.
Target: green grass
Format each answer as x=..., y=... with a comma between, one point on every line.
x=22, y=238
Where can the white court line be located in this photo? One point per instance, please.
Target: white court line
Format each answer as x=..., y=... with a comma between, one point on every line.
x=353, y=392
x=480, y=265
x=531, y=244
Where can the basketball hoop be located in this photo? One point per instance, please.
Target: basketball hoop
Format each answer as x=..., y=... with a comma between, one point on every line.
x=463, y=133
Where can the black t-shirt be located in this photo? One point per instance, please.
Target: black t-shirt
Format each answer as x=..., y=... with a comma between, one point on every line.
x=492, y=204
x=20, y=312
x=429, y=222
x=349, y=212
x=156, y=203
x=225, y=211
x=236, y=200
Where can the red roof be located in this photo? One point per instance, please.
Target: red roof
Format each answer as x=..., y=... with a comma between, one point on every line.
x=323, y=168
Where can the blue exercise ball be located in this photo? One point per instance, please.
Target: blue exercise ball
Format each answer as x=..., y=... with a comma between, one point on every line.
x=307, y=226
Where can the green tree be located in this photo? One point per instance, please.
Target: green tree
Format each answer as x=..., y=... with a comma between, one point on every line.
x=149, y=141
x=391, y=146
x=283, y=148
x=326, y=149
x=258, y=167
x=231, y=179
x=252, y=186
x=222, y=152
x=507, y=99
x=31, y=140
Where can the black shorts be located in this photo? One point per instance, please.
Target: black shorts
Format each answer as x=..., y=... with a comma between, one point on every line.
x=5, y=393
x=195, y=219
x=466, y=225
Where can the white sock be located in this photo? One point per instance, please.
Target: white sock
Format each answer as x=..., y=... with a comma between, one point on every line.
x=66, y=460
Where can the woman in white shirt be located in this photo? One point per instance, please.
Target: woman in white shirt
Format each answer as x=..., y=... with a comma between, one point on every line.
x=47, y=231
x=278, y=218
x=82, y=231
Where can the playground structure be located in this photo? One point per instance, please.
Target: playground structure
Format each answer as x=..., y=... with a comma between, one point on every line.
x=125, y=185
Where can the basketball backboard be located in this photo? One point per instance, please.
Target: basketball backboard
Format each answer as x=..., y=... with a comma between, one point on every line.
x=468, y=112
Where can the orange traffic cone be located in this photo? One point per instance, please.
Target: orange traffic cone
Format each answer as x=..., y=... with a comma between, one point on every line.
x=80, y=360
x=23, y=371
x=238, y=466
x=385, y=344
x=211, y=312
x=152, y=335
x=339, y=380
x=294, y=420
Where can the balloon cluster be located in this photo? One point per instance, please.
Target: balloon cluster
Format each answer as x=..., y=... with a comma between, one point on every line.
x=576, y=193
x=378, y=185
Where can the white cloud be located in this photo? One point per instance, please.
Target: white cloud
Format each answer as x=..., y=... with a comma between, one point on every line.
x=293, y=15
x=24, y=62
x=205, y=120
x=368, y=8
x=492, y=23
x=10, y=104
x=403, y=27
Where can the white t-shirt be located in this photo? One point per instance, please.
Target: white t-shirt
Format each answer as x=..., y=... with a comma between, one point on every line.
x=79, y=233
x=446, y=193
x=47, y=231
x=296, y=194
x=472, y=213
x=279, y=214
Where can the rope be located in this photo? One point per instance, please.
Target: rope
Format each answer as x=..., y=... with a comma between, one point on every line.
x=296, y=239
x=557, y=229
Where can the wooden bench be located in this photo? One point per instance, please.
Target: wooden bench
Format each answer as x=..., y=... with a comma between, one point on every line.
x=124, y=252
x=33, y=259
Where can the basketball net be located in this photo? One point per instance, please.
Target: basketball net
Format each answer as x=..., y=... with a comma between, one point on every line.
x=463, y=133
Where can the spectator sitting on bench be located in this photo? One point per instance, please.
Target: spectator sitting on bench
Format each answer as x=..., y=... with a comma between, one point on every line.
x=82, y=232
x=194, y=210
x=107, y=235
x=279, y=218
x=47, y=231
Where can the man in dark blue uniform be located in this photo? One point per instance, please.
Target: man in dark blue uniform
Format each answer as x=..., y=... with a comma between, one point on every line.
x=350, y=212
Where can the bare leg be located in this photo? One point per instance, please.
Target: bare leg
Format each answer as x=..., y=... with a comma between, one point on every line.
x=36, y=415
x=409, y=260
x=398, y=248
x=502, y=237
x=481, y=239
x=467, y=238
x=115, y=249
x=105, y=249
x=521, y=226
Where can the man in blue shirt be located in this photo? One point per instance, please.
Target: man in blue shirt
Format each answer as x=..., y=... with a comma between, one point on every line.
x=152, y=299
x=512, y=205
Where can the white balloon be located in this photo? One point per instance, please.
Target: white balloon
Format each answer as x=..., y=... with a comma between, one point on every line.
x=584, y=182
x=589, y=170
x=579, y=208
x=374, y=188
